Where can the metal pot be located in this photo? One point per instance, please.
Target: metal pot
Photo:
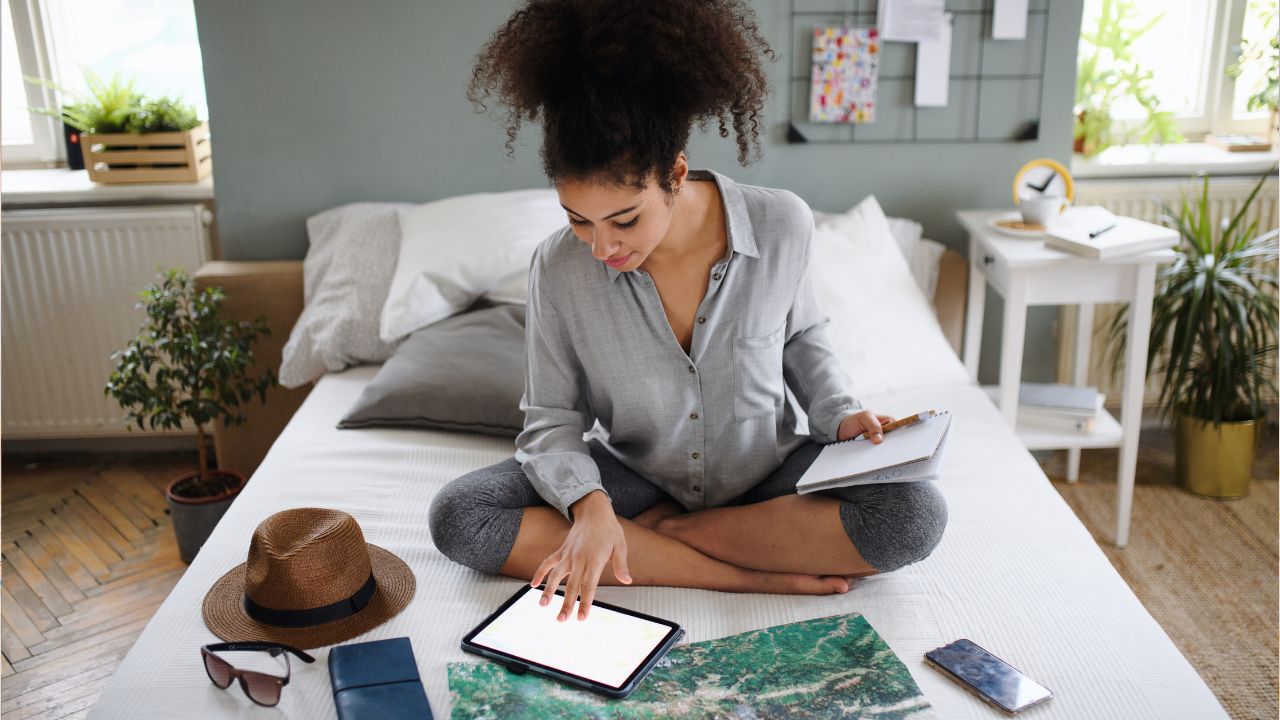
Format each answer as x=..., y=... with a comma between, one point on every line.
x=195, y=518
x=1213, y=461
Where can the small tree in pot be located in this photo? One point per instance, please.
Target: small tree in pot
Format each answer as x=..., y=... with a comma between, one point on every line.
x=1213, y=339
x=188, y=363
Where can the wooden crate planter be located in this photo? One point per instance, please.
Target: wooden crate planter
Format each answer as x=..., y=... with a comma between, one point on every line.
x=150, y=158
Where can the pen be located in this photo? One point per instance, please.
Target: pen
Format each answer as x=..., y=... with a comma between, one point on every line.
x=1096, y=233
x=905, y=421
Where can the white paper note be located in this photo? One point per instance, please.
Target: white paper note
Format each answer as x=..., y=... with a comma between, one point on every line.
x=909, y=20
x=933, y=67
x=1009, y=22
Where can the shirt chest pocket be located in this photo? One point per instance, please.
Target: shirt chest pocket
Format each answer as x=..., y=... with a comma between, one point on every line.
x=757, y=366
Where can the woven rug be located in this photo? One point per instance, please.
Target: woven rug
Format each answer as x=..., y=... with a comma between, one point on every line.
x=1206, y=569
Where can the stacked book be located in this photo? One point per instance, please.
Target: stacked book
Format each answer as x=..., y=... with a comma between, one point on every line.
x=1055, y=406
x=1098, y=233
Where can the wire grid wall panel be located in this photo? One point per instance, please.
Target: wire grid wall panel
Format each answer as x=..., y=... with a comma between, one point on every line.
x=995, y=92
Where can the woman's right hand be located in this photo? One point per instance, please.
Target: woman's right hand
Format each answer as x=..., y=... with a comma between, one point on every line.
x=594, y=539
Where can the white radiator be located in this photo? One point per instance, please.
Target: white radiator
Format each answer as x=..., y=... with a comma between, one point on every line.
x=70, y=279
x=1142, y=199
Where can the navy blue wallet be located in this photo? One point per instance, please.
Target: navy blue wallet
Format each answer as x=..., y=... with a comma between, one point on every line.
x=377, y=679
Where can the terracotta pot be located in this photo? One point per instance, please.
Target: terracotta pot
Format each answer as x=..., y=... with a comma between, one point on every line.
x=195, y=518
x=1077, y=145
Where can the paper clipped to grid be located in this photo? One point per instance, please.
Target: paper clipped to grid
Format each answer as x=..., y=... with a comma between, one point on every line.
x=908, y=454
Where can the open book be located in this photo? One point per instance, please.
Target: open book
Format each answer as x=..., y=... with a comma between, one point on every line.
x=907, y=454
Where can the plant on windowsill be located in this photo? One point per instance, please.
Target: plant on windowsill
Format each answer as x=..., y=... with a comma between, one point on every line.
x=1109, y=72
x=1213, y=338
x=115, y=120
x=1264, y=54
x=188, y=363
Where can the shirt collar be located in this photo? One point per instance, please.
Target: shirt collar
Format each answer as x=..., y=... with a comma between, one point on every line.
x=742, y=238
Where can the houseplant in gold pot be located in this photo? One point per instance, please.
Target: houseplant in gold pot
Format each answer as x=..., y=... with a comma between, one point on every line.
x=188, y=363
x=1213, y=341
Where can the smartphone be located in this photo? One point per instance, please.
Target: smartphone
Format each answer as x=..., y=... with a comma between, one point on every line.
x=987, y=676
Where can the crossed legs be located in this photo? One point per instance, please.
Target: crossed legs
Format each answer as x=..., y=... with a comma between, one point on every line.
x=770, y=540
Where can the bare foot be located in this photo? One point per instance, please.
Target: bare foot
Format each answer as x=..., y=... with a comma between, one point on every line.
x=656, y=514
x=801, y=584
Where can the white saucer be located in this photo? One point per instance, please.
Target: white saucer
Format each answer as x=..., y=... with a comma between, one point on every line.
x=1012, y=232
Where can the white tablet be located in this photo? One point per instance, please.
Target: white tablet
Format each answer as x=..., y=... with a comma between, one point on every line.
x=609, y=652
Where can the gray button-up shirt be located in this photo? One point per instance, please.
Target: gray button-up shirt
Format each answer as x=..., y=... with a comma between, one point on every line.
x=704, y=426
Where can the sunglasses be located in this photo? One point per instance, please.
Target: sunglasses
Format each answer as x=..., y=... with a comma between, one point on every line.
x=262, y=688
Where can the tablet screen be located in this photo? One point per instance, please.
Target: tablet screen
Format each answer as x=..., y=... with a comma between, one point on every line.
x=606, y=648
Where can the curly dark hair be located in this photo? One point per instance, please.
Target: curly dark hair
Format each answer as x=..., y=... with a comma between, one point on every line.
x=618, y=84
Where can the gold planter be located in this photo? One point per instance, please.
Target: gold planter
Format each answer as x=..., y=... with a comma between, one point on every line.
x=1213, y=461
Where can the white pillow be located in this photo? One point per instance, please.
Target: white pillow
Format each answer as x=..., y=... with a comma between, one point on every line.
x=925, y=263
x=906, y=233
x=455, y=250
x=882, y=328
x=346, y=273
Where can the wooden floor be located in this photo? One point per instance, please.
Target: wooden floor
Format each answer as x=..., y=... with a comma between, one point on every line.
x=88, y=556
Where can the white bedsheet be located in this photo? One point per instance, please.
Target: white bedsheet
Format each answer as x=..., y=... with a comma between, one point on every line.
x=1016, y=572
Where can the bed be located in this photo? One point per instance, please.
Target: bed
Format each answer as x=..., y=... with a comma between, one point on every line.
x=1016, y=572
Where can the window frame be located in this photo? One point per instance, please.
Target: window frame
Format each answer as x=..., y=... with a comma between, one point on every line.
x=32, y=35
x=1223, y=120
x=1227, y=17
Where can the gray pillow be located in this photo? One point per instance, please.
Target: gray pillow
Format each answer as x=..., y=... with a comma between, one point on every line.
x=346, y=276
x=463, y=373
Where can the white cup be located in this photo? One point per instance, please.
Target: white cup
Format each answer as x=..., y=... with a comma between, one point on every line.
x=1042, y=209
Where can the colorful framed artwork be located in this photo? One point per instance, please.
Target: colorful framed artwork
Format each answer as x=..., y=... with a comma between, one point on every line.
x=846, y=64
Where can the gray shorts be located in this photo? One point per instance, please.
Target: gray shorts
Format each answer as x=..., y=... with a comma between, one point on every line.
x=475, y=518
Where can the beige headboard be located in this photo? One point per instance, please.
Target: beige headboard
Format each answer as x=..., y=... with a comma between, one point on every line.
x=274, y=289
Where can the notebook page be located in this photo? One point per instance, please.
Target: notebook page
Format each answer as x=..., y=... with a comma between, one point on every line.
x=905, y=445
x=928, y=469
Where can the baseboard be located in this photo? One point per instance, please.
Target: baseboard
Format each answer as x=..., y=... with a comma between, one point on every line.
x=169, y=442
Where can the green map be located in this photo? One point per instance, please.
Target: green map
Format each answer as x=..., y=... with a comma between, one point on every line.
x=828, y=667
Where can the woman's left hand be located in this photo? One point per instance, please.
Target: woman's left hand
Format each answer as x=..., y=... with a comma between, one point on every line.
x=863, y=422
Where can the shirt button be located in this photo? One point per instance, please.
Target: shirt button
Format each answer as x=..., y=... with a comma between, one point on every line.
x=695, y=456
x=692, y=370
x=697, y=488
x=693, y=416
x=716, y=276
x=702, y=320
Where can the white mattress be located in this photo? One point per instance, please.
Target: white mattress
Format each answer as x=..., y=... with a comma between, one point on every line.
x=1016, y=572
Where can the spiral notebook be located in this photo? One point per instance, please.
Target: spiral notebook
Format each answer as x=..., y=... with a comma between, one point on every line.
x=907, y=454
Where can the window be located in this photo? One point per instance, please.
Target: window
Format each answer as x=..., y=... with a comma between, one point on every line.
x=153, y=41
x=1260, y=24
x=17, y=121
x=1187, y=51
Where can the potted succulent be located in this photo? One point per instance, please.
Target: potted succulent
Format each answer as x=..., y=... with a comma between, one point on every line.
x=1108, y=71
x=188, y=363
x=1213, y=339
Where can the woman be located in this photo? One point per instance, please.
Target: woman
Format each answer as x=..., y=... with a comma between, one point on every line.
x=675, y=309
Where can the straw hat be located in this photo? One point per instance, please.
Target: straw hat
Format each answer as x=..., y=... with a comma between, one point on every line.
x=311, y=580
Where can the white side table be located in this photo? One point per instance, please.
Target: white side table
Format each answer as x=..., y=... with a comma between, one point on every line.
x=1026, y=272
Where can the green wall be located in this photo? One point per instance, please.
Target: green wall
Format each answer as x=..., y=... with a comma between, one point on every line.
x=318, y=103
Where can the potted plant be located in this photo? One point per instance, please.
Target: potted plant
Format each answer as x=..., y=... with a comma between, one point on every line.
x=1107, y=72
x=1213, y=338
x=188, y=363
x=126, y=137
x=1263, y=53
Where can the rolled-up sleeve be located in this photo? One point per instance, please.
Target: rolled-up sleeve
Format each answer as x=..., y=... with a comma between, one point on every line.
x=809, y=364
x=550, y=448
